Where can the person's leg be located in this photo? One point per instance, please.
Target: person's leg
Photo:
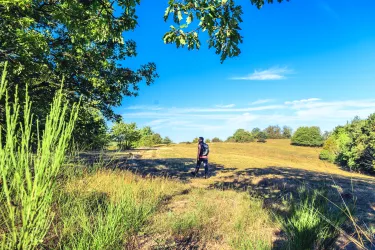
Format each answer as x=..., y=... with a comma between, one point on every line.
x=205, y=168
x=199, y=162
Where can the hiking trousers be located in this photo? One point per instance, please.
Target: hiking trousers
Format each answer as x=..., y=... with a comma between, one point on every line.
x=205, y=164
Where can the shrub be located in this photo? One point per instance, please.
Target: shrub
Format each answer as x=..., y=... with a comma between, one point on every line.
x=216, y=139
x=262, y=137
x=330, y=150
x=208, y=141
x=230, y=139
x=308, y=136
x=273, y=132
x=287, y=132
x=242, y=135
x=167, y=141
x=353, y=145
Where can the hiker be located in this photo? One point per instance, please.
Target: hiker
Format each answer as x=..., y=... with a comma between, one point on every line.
x=202, y=156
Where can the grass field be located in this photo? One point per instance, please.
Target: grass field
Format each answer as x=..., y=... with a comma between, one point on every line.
x=236, y=207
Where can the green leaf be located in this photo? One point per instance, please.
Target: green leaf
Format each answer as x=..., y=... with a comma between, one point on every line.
x=189, y=18
x=179, y=15
x=166, y=14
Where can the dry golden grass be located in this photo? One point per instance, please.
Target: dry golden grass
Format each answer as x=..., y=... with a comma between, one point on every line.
x=259, y=155
x=210, y=213
x=274, y=169
x=114, y=183
x=213, y=219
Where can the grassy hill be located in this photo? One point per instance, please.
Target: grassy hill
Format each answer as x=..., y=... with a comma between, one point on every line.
x=236, y=208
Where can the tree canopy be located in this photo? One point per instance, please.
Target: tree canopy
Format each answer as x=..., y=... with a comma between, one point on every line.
x=308, y=136
x=82, y=45
x=220, y=18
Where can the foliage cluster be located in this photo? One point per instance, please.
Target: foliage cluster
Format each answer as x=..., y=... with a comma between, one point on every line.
x=80, y=44
x=308, y=136
x=352, y=145
x=271, y=132
x=127, y=136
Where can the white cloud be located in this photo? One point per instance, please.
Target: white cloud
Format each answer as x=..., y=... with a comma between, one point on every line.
x=225, y=106
x=302, y=101
x=261, y=101
x=187, y=123
x=275, y=73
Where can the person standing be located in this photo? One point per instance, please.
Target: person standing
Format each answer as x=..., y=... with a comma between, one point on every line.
x=202, y=157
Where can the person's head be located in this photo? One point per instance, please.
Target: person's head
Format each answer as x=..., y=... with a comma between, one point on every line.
x=201, y=139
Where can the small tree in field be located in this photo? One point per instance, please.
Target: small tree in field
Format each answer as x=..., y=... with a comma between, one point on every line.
x=255, y=132
x=167, y=140
x=242, y=135
x=196, y=140
x=125, y=134
x=216, y=139
x=262, y=137
x=287, y=132
x=308, y=136
x=273, y=132
x=208, y=141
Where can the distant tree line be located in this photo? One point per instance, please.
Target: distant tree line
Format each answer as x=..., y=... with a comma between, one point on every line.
x=271, y=132
x=128, y=135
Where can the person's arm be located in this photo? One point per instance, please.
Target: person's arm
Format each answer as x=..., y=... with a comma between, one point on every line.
x=199, y=151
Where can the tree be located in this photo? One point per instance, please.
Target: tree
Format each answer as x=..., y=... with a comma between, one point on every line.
x=255, y=132
x=208, y=141
x=156, y=139
x=167, y=140
x=262, y=137
x=82, y=43
x=230, y=139
x=352, y=145
x=91, y=130
x=308, y=136
x=273, y=132
x=287, y=132
x=216, y=139
x=221, y=20
x=78, y=41
x=326, y=134
x=195, y=140
x=125, y=134
x=146, y=131
x=242, y=135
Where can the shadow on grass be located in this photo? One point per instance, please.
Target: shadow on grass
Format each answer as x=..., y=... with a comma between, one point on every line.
x=175, y=168
x=273, y=184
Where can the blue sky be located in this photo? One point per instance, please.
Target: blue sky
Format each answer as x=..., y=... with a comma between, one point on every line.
x=302, y=63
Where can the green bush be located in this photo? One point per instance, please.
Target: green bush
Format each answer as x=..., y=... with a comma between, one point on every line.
x=262, y=137
x=308, y=136
x=353, y=145
x=327, y=156
x=167, y=141
x=216, y=139
x=242, y=135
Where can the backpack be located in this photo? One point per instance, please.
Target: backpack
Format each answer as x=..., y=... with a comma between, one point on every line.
x=205, y=149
